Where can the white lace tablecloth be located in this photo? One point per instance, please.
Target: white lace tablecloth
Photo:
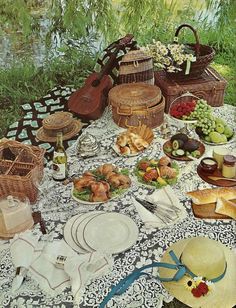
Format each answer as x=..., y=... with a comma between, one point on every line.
x=57, y=207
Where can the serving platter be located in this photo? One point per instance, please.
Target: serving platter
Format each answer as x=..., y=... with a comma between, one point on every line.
x=201, y=149
x=217, y=173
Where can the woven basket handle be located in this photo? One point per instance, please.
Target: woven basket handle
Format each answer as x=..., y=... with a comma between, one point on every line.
x=197, y=45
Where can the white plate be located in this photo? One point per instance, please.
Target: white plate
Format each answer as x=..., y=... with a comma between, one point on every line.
x=70, y=237
x=111, y=233
x=79, y=230
x=100, y=202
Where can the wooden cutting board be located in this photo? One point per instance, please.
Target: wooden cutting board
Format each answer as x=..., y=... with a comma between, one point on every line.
x=208, y=211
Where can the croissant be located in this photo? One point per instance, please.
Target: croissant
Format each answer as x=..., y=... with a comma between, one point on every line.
x=139, y=143
x=122, y=140
x=167, y=172
x=125, y=150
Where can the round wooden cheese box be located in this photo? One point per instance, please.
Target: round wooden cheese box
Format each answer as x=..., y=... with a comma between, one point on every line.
x=134, y=104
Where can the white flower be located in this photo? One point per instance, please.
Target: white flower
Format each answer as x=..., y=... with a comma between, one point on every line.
x=198, y=279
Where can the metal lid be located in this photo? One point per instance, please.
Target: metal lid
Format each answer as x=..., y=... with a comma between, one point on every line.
x=87, y=145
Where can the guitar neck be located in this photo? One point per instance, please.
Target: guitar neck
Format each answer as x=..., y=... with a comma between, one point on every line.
x=109, y=65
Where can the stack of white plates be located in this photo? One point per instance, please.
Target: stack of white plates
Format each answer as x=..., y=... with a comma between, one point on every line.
x=100, y=231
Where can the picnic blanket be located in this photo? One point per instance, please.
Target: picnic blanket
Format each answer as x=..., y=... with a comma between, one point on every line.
x=25, y=129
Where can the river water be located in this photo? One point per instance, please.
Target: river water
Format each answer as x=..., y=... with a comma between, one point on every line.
x=13, y=48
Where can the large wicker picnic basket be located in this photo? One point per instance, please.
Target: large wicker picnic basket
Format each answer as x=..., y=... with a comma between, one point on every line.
x=204, y=55
x=21, y=169
x=137, y=103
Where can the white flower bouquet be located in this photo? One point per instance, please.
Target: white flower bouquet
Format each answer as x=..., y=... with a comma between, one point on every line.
x=170, y=57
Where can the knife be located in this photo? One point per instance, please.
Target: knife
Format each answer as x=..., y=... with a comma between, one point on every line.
x=165, y=217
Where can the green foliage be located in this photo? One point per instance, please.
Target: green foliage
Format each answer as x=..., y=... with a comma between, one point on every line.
x=77, y=30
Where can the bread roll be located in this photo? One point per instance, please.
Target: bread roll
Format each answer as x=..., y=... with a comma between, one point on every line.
x=226, y=207
x=122, y=140
x=125, y=150
x=206, y=196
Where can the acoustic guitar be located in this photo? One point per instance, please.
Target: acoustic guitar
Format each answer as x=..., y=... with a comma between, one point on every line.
x=89, y=101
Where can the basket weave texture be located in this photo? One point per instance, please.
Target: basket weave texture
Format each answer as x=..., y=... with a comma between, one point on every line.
x=20, y=173
x=137, y=103
x=136, y=66
x=204, y=56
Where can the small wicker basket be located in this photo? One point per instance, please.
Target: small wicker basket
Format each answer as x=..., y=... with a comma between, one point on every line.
x=136, y=66
x=21, y=170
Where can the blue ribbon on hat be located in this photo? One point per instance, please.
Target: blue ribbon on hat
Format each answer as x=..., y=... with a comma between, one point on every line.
x=180, y=268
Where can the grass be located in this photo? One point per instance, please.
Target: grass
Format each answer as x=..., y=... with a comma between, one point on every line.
x=24, y=82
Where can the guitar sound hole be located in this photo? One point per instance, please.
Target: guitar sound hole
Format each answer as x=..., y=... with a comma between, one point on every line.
x=95, y=83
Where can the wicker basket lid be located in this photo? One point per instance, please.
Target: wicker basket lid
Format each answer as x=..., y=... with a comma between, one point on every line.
x=135, y=55
x=58, y=122
x=135, y=95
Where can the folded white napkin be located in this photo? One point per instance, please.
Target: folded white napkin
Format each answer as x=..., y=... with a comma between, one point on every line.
x=166, y=210
x=39, y=260
x=84, y=268
x=45, y=272
x=24, y=248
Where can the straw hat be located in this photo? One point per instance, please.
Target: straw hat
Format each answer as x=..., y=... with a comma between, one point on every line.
x=58, y=122
x=206, y=258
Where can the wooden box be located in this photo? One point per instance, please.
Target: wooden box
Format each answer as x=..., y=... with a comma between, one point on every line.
x=210, y=86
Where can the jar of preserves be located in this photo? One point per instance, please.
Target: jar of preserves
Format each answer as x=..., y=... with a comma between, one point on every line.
x=229, y=166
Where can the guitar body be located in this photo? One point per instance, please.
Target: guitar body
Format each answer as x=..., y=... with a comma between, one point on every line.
x=89, y=102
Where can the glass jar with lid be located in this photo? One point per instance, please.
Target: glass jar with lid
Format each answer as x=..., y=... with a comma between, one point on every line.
x=229, y=166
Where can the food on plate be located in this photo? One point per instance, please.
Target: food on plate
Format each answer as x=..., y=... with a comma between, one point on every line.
x=210, y=195
x=226, y=207
x=208, y=127
x=180, y=145
x=156, y=172
x=213, y=129
x=134, y=140
x=101, y=184
x=183, y=110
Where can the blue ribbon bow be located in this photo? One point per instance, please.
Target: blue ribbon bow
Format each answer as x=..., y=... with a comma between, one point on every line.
x=180, y=268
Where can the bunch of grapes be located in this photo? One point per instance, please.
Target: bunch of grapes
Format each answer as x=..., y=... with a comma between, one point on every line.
x=201, y=112
x=207, y=124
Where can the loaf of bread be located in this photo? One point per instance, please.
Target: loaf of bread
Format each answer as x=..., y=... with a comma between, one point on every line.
x=211, y=195
x=226, y=207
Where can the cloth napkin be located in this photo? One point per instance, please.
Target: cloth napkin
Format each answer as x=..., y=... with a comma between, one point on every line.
x=24, y=248
x=165, y=200
x=39, y=260
x=82, y=269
